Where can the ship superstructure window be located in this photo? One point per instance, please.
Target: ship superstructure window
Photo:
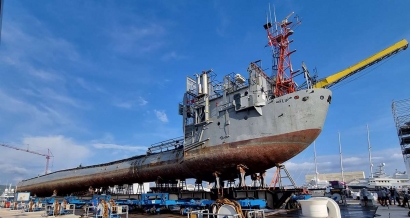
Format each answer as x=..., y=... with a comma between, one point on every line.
x=237, y=98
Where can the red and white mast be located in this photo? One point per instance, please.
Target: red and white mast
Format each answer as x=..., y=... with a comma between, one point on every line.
x=279, y=42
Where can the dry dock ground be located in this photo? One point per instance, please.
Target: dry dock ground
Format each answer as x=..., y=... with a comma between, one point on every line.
x=352, y=210
x=392, y=211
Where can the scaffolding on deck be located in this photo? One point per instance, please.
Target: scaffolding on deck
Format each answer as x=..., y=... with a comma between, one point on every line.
x=401, y=114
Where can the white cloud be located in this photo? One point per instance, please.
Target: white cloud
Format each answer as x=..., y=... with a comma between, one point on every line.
x=397, y=156
x=224, y=20
x=38, y=116
x=352, y=160
x=140, y=38
x=89, y=86
x=126, y=105
x=21, y=50
x=51, y=94
x=172, y=56
x=36, y=61
x=161, y=115
x=119, y=147
x=42, y=74
x=66, y=152
x=297, y=166
x=142, y=101
x=107, y=137
x=12, y=169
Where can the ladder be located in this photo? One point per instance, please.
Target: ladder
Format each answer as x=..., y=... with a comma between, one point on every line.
x=277, y=177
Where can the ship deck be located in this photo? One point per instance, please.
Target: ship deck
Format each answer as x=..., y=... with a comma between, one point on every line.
x=351, y=210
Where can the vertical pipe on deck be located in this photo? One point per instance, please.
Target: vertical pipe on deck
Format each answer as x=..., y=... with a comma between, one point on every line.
x=205, y=92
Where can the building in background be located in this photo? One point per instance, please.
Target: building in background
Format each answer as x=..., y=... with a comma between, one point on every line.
x=349, y=176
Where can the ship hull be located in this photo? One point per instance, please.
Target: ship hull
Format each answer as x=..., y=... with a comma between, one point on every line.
x=282, y=128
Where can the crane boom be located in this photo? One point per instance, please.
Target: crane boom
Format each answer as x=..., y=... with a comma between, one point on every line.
x=48, y=155
x=337, y=77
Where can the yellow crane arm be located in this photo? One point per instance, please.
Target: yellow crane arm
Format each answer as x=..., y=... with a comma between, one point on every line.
x=337, y=77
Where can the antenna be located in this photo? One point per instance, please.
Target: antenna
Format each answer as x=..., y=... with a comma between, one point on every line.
x=307, y=76
x=287, y=17
x=274, y=64
x=370, y=153
x=341, y=159
x=267, y=19
x=274, y=14
x=279, y=42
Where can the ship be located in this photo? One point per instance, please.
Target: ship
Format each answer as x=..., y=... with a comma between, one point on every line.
x=380, y=179
x=259, y=122
x=7, y=194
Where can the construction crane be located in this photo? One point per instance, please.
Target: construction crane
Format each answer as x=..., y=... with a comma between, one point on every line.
x=350, y=71
x=48, y=155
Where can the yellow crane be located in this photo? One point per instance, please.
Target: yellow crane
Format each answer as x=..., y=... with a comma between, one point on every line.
x=339, y=76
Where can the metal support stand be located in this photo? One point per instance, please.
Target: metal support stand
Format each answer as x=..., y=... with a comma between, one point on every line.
x=166, y=186
x=140, y=188
x=198, y=185
x=120, y=189
x=231, y=183
x=174, y=184
x=182, y=184
x=130, y=189
x=277, y=177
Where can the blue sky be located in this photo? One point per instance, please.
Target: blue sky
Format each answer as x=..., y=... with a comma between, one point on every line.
x=96, y=81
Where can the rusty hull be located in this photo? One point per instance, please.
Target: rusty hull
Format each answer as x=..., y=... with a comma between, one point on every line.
x=258, y=154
